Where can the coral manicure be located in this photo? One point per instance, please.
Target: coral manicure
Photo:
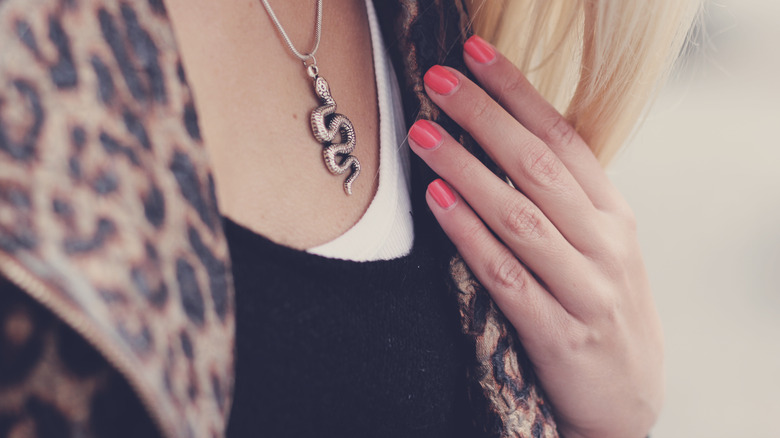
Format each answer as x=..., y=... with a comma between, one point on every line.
x=442, y=194
x=425, y=134
x=480, y=50
x=440, y=80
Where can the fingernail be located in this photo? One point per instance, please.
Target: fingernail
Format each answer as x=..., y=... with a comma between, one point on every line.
x=425, y=134
x=440, y=80
x=442, y=194
x=480, y=50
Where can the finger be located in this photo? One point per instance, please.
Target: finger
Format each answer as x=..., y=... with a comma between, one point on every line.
x=510, y=88
x=517, y=222
x=534, y=313
x=530, y=163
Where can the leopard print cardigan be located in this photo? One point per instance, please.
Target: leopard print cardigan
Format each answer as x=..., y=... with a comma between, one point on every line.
x=116, y=299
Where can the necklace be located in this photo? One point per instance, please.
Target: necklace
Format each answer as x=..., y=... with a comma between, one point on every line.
x=326, y=123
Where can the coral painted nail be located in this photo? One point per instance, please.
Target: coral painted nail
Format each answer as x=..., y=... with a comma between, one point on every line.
x=425, y=134
x=442, y=194
x=480, y=50
x=440, y=80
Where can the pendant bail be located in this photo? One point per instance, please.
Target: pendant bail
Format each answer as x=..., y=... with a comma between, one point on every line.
x=311, y=68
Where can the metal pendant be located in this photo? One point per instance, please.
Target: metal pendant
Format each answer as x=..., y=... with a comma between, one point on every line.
x=326, y=123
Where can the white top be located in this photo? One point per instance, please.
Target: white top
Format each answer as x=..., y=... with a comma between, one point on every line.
x=386, y=230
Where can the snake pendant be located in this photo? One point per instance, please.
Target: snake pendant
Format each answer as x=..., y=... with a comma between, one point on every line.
x=326, y=123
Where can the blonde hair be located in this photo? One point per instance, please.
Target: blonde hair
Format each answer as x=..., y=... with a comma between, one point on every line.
x=600, y=62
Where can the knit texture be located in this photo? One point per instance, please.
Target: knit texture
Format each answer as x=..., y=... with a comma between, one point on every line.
x=329, y=347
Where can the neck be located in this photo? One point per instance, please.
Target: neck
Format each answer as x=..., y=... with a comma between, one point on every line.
x=254, y=101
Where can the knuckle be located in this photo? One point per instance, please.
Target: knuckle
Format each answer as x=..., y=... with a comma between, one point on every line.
x=605, y=306
x=473, y=228
x=559, y=132
x=617, y=245
x=523, y=219
x=573, y=337
x=581, y=339
x=612, y=257
x=596, y=323
x=465, y=169
x=616, y=273
x=544, y=168
x=514, y=85
x=480, y=109
x=508, y=274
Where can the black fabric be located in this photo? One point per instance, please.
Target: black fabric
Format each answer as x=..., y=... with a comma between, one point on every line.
x=330, y=347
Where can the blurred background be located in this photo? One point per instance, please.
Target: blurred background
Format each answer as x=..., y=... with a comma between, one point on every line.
x=703, y=176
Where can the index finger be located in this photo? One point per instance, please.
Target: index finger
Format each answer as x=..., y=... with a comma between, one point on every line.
x=512, y=90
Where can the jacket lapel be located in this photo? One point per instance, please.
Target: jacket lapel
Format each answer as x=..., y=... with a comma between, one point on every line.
x=107, y=212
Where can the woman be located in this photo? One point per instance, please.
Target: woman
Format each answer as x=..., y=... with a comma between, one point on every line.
x=118, y=312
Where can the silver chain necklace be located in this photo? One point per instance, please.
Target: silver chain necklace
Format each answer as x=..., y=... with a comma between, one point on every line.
x=326, y=123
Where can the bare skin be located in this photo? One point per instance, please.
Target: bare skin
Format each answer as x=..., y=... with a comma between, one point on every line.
x=254, y=98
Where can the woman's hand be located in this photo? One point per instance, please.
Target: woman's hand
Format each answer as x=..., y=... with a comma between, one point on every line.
x=558, y=254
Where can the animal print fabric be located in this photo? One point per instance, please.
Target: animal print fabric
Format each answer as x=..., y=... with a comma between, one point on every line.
x=107, y=212
x=110, y=235
x=54, y=384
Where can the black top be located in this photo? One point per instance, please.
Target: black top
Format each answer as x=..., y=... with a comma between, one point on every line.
x=329, y=347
